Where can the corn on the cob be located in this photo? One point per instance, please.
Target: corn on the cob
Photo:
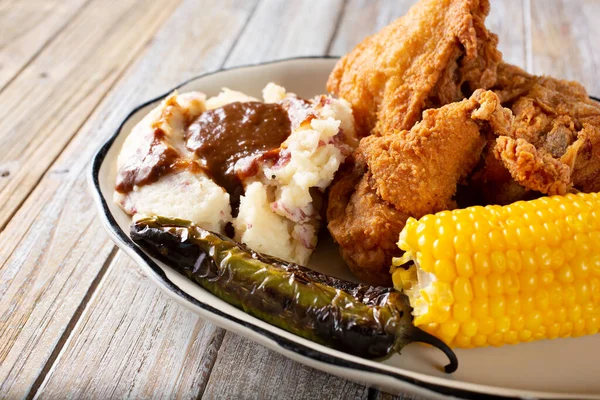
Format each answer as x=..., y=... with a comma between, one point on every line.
x=502, y=275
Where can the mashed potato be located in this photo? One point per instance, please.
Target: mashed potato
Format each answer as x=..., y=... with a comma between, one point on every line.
x=185, y=193
x=173, y=194
x=308, y=160
x=279, y=213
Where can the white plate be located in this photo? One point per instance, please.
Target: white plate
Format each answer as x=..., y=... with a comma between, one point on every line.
x=562, y=368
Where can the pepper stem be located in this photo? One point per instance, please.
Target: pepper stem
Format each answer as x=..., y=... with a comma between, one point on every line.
x=415, y=334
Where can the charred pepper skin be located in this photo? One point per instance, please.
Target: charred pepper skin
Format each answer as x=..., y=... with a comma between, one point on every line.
x=370, y=322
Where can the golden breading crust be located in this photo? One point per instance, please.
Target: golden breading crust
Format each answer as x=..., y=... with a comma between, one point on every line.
x=438, y=53
x=365, y=227
x=409, y=173
x=554, y=146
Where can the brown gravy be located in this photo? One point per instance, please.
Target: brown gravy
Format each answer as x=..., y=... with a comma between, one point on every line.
x=222, y=136
x=148, y=164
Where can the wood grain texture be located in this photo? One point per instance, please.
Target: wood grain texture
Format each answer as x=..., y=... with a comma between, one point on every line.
x=46, y=270
x=510, y=22
x=564, y=40
x=209, y=40
x=56, y=93
x=281, y=29
x=245, y=370
x=361, y=18
x=26, y=27
x=53, y=248
x=143, y=346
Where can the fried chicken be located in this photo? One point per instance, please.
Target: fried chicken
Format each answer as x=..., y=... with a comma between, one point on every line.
x=438, y=53
x=554, y=147
x=365, y=227
x=475, y=151
x=408, y=173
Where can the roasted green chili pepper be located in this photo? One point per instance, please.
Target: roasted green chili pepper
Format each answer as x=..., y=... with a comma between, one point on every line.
x=366, y=321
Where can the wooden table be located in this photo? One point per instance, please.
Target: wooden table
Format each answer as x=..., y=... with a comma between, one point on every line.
x=78, y=317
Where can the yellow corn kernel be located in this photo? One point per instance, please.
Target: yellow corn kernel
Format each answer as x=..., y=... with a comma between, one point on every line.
x=498, y=240
x=528, y=259
x=443, y=248
x=591, y=325
x=511, y=283
x=481, y=242
x=513, y=260
x=479, y=340
x=463, y=292
x=464, y=265
x=469, y=328
x=543, y=257
x=480, y=286
x=513, y=305
x=445, y=270
x=504, y=275
x=463, y=341
x=496, y=284
x=511, y=337
x=461, y=311
x=482, y=264
x=480, y=308
x=462, y=244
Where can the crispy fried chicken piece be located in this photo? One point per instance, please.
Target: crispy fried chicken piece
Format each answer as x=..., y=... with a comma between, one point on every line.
x=408, y=173
x=365, y=227
x=426, y=162
x=438, y=53
x=491, y=182
x=537, y=170
x=586, y=168
x=555, y=144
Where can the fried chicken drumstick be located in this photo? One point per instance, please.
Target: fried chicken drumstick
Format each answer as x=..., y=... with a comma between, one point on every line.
x=408, y=173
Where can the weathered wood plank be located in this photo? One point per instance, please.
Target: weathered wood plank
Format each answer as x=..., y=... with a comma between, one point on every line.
x=54, y=247
x=56, y=93
x=39, y=293
x=564, y=40
x=281, y=29
x=512, y=35
x=143, y=346
x=245, y=370
x=26, y=27
x=365, y=17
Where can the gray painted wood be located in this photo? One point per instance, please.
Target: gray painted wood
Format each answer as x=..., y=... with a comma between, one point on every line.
x=282, y=29
x=54, y=250
x=244, y=370
x=47, y=102
x=133, y=342
x=565, y=40
x=26, y=27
